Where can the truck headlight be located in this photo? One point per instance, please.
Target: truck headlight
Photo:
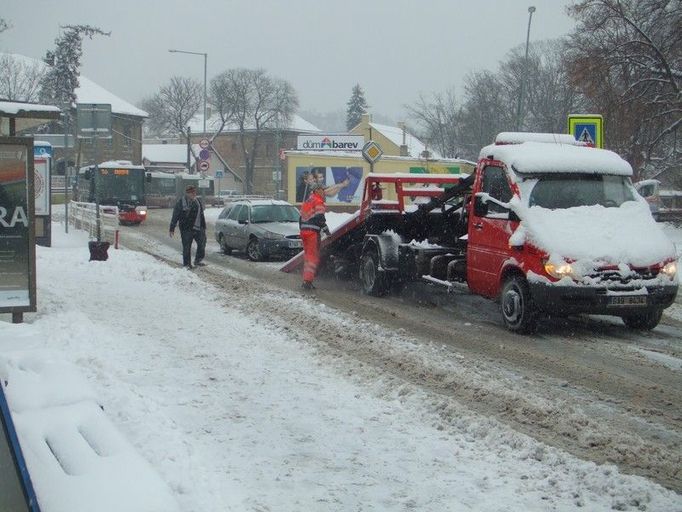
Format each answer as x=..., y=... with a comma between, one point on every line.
x=559, y=271
x=670, y=269
x=271, y=236
x=141, y=210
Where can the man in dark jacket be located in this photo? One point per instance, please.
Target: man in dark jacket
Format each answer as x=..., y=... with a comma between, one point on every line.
x=189, y=214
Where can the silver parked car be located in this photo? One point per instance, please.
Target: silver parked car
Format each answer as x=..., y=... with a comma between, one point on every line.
x=262, y=228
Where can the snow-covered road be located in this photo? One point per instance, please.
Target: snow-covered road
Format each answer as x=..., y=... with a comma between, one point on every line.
x=244, y=396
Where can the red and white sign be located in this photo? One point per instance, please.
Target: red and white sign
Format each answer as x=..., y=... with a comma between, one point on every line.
x=203, y=165
x=203, y=143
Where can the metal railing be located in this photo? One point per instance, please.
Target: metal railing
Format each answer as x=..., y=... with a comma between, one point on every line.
x=84, y=216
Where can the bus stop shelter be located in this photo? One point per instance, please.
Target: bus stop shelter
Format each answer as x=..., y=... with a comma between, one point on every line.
x=15, y=116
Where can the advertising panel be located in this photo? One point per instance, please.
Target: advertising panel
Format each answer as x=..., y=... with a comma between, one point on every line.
x=17, y=262
x=41, y=185
x=327, y=176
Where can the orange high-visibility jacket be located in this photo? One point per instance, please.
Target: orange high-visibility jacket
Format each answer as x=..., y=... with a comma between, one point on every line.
x=312, y=213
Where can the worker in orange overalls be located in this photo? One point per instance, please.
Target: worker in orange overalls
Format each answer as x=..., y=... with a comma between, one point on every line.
x=312, y=223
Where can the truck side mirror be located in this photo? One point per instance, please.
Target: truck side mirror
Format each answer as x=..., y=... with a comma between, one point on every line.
x=148, y=177
x=480, y=207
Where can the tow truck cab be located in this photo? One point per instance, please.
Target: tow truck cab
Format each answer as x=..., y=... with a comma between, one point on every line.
x=558, y=228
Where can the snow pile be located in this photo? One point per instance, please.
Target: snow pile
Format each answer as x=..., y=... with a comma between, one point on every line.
x=78, y=461
x=595, y=234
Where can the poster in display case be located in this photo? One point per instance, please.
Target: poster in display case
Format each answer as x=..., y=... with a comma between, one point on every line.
x=17, y=236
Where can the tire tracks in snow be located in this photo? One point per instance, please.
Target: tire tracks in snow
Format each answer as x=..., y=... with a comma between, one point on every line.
x=582, y=392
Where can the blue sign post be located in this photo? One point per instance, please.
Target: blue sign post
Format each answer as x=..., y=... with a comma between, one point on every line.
x=587, y=128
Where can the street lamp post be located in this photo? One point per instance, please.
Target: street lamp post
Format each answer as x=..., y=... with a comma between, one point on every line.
x=205, y=66
x=519, y=105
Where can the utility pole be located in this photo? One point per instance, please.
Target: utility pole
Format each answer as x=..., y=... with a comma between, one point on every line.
x=66, y=171
x=519, y=106
x=189, y=132
x=205, y=70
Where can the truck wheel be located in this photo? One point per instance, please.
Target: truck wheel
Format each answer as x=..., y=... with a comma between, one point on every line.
x=253, y=250
x=518, y=310
x=643, y=321
x=373, y=280
x=223, y=246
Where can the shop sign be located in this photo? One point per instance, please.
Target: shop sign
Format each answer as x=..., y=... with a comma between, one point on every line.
x=330, y=142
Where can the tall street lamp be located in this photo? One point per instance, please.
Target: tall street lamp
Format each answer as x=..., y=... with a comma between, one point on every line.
x=205, y=63
x=519, y=106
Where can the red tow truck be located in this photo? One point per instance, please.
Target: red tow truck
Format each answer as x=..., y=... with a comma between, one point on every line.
x=544, y=226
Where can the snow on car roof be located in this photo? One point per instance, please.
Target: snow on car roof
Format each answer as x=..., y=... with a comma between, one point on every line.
x=541, y=158
x=260, y=202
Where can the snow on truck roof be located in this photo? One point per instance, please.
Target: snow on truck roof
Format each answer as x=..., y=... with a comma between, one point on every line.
x=543, y=158
x=520, y=137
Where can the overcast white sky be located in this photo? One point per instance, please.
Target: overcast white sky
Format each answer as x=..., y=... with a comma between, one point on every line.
x=396, y=49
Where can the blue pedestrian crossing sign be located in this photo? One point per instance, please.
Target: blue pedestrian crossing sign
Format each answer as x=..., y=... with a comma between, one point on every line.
x=588, y=128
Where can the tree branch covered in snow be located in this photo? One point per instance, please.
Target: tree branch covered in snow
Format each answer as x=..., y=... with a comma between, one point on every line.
x=439, y=118
x=356, y=106
x=59, y=84
x=19, y=80
x=628, y=57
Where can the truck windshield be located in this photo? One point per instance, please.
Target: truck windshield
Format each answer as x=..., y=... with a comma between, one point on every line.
x=568, y=191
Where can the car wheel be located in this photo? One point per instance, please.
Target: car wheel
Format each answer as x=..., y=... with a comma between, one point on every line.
x=223, y=246
x=372, y=279
x=643, y=321
x=518, y=310
x=253, y=250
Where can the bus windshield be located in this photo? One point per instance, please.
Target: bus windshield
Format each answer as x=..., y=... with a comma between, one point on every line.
x=114, y=188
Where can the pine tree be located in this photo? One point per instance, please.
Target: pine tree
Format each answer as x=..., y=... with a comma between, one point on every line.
x=61, y=80
x=356, y=106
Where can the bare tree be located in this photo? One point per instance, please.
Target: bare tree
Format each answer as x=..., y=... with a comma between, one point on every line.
x=489, y=108
x=629, y=59
x=171, y=109
x=439, y=118
x=551, y=96
x=252, y=102
x=20, y=79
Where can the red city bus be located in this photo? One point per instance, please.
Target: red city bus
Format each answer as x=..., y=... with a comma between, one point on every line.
x=115, y=183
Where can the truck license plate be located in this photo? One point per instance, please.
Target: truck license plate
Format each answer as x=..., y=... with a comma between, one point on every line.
x=627, y=300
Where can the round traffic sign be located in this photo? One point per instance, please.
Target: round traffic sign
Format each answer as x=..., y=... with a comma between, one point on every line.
x=204, y=154
x=203, y=165
x=203, y=143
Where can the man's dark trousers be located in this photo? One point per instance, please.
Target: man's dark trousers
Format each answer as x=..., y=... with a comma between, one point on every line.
x=188, y=235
